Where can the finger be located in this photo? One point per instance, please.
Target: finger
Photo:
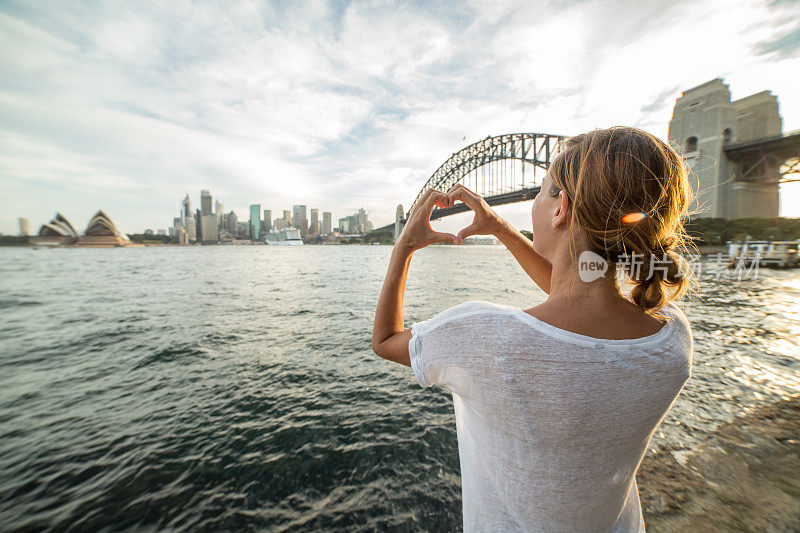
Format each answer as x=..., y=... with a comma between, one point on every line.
x=444, y=237
x=433, y=198
x=423, y=199
x=459, y=192
x=472, y=229
x=444, y=201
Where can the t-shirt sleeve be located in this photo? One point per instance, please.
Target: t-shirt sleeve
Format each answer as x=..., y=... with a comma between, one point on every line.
x=438, y=344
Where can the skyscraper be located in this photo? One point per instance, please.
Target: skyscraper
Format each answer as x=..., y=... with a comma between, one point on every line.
x=218, y=207
x=205, y=202
x=287, y=217
x=255, y=222
x=267, y=222
x=187, y=207
x=326, y=223
x=229, y=223
x=198, y=217
x=210, y=228
x=298, y=215
x=313, y=227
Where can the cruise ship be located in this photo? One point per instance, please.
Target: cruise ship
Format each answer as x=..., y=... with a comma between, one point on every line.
x=284, y=237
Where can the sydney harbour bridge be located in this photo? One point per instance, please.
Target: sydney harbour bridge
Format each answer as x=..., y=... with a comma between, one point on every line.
x=509, y=168
x=503, y=169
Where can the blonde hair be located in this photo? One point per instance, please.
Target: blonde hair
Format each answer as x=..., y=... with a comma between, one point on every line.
x=610, y=173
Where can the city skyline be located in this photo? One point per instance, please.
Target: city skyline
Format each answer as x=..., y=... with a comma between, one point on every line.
x=205, y=225
x=349, y=105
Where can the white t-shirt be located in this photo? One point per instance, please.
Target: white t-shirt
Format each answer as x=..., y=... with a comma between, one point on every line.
x=552, y=425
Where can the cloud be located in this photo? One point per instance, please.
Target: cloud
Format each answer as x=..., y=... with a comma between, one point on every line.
x=787, y=45
x=127, y=107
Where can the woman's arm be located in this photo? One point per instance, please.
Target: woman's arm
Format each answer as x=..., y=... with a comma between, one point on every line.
x=487, y=222
x=389, y=339
x=537, y=267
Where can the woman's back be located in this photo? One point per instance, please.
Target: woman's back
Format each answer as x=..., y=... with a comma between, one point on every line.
x=552, y=425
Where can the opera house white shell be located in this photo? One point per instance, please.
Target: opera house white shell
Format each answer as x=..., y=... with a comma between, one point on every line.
x=100, y=232
x=57, y=232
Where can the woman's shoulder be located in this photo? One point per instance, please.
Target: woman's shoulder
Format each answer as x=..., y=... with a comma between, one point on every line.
x=471, y=308
x=674, y=311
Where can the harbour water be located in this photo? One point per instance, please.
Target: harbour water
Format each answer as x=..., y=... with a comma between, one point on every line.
x=235, y=388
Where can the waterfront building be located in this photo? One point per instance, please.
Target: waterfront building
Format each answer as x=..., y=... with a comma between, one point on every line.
x=280, y=224
x=326, y=223
x=299, y=214
x=186, y=212
x=304, y=228
x=190, y=225
x=57, y=232
x=198, y=217
x=218, y=207
x=102, y=233
x=205, y=203
x=161, y=232
x=266, y=224
x=255, y=222
x=210, y=228
x=24, y=227
x=287, y=217
x=230, y=223
x=355, y=223
x=243, y=230
x=181, y=236
x=313, y=226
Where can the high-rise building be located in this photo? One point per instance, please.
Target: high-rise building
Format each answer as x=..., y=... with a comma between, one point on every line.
x=187, y=207
x=218, y=207
x=298, y=215
x=326, y=223
x=287, y=217
x=198, y=218
x=210, y=228
x=205, y=202
x=255, y=222
x=230, y=223
x=181, y=236
x=304, y=228
x=24, y=227
x=267, y=222
x=313, y=226
x=280, y=223
x=190, y=225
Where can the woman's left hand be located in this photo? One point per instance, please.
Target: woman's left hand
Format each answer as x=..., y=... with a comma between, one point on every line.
x=418, y=232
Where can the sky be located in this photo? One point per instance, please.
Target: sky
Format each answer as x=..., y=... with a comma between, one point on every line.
x=129, y=106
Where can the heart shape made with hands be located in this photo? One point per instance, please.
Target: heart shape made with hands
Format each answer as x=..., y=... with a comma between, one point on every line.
x=424, y=233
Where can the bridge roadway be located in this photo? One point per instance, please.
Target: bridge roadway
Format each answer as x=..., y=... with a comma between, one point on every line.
x=521, y=195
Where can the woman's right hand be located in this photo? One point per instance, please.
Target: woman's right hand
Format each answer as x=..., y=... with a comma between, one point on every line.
x=486, y=221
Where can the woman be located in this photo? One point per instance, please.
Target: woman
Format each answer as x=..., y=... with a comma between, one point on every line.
x=555, y=405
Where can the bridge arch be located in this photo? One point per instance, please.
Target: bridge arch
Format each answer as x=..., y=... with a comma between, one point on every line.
x=501, y=155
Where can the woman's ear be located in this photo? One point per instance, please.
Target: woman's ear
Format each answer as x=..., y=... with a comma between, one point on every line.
x=561, y=213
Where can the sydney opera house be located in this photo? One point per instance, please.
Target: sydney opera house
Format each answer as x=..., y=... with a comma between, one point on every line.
x=100, y=233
